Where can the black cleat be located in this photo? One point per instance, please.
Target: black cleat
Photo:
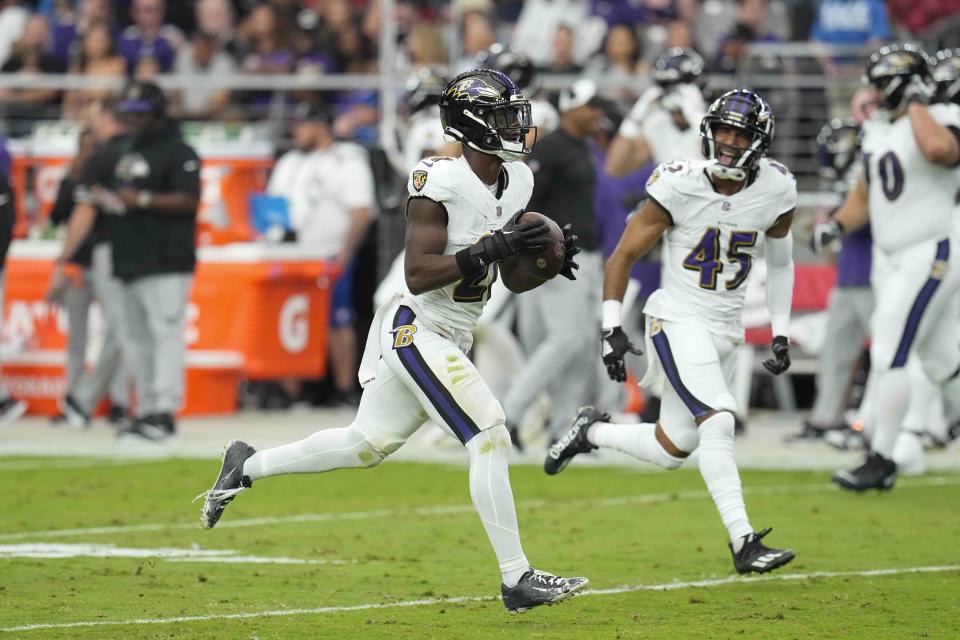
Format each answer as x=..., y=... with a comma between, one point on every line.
x=756, y=557
x=876, y=473
x=155, y=427
x=538, y=588
x=573, y=441
x=230, y=483
x=75, y=415
x=117, y=415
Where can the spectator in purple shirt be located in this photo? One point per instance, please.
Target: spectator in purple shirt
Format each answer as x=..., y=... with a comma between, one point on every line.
x=148, y=36
x=69, y=27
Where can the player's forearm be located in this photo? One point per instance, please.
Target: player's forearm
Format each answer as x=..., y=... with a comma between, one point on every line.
x=616, y=276
x=937, y=143
x=426, y=272
x=854, y=212
x=78, y=228
x=779, y=253
x=624, y=156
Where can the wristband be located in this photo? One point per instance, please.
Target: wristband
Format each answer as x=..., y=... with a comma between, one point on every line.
x=144, y=198
x=610, y=314
x=469, y=264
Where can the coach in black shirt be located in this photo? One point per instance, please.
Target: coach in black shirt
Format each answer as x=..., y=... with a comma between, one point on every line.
x=559, y=320
x=148, y=185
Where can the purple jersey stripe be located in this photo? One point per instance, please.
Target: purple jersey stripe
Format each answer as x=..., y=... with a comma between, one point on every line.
x=662, y=345
x=919, y=306
x=412, y=360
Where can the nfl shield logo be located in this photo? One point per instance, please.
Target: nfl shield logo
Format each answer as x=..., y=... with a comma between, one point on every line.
x=419, y=179
x=499, y=211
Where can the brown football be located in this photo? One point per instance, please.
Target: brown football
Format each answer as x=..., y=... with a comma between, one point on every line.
x=547, y=263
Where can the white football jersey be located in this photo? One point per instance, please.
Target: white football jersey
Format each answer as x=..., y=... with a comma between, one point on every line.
x=473, y=211
x=911, y=199
x=713, y=240
x=667, y=142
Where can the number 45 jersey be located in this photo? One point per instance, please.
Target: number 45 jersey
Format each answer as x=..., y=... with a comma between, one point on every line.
x=473, y=211
x=713, y=240
x=911, y=199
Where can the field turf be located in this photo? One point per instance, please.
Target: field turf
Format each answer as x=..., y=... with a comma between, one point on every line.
x=397, y=552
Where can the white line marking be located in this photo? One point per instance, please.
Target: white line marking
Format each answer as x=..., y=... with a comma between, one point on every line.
x=643, y=498
x=169, y=554
x=668, y=586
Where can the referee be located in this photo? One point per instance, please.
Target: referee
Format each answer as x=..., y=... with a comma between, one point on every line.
x=148, y=184
x=558, y=321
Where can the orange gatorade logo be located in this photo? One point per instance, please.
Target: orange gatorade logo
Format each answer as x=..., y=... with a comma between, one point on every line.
x=403, y=336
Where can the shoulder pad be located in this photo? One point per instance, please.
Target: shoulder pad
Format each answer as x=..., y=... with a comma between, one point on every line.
x=431, y=178
x=669, y=170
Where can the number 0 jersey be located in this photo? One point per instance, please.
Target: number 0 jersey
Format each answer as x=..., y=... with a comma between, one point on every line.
x=713, y=240
x=473, y=211
x=911, y=199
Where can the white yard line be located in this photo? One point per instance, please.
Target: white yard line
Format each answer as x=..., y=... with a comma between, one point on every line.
x=421, y=512
x=667, y=586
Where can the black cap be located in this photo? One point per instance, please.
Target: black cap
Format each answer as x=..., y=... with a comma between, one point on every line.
x=311, y=112
x=142, y=97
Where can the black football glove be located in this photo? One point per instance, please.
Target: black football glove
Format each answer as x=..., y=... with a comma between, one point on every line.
x=528, y=237
x=824, y=235
x=616, y=345
x=780, y=361
x=571, y=247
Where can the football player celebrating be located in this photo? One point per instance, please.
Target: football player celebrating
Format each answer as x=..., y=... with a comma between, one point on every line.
x=662, y=125
x=461, y=225
x=715, y=215
x=907, y=191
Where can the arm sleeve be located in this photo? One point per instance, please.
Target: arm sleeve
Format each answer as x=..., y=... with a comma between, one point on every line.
x=184, y=171
x=779, y=252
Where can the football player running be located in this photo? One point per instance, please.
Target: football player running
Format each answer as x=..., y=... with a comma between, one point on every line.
x=461, y=225
x=908, y=192
x=715, y=215
x=662, y=125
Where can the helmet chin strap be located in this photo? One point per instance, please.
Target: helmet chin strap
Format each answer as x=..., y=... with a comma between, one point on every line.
x=726, y=173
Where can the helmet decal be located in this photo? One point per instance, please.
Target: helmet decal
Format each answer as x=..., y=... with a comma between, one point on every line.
x=472, y=89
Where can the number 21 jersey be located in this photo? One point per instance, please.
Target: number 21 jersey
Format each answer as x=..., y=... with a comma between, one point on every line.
x=473, y=211
x=911, y=199
x=713, y=240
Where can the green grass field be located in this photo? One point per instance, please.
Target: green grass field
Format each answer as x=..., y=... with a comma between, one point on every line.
x=407, y=558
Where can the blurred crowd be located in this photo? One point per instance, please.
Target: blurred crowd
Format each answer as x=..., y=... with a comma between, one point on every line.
x=214, y=38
